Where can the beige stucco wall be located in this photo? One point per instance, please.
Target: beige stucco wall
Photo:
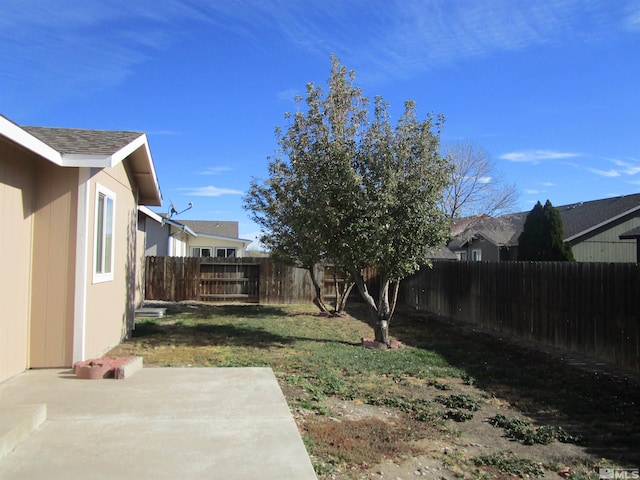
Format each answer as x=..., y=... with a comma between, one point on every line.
x=16, y=223
x=110, y=305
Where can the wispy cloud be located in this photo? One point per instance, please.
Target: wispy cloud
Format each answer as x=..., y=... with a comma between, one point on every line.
x=536, y=156
x=624, y=168
x=210, y=191
x=548, y=184
x=214, y=170
x=605, y=173
x=531, y=191
x=288, y=95
x=89, y=48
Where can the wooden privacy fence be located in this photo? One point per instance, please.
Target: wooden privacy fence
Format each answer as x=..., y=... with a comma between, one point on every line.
x=589, y=308
x=251, y=280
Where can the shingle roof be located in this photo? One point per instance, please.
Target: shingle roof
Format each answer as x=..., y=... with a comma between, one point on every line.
x=577, y=219
x=83, y=142
x=218, y=228
x=501, y=231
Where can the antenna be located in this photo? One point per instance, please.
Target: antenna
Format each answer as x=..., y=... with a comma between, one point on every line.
x=174, y=211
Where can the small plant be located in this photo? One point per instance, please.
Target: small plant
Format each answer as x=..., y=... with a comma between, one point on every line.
x=460, y=407
x=522, y=431
x=459, y=401
x=439, y=385
x=510, y=464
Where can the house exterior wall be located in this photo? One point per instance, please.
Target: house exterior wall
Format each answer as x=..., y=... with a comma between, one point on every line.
x=16, y=224
x=604, y=244
x=177, y=244
x=141, y=236
x=488, y=251
x=53, y=266
x=209, y=242
x=110, y=304
x=157, y=239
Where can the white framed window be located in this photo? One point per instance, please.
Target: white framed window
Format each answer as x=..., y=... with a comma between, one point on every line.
x=476, y=255
x=201, y=251
x=223, y=252
x=462, y=256
x=104, y=235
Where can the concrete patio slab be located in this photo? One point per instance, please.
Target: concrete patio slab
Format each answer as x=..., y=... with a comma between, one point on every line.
x=186, y=423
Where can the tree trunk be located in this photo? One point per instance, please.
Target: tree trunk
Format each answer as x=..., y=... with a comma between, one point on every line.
x=384, y=314
x=318, y=300
x=345, y=296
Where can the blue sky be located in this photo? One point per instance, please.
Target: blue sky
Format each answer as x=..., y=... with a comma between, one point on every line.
x=550, y=89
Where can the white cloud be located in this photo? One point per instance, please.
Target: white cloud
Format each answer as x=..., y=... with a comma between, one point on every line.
x=484, y=179
x=605, y=173
x=210, y=191
x=548, y=184
x=288, y=95
x=536, y=156
x=531, y=191
x=628, y=167
x=215, y=170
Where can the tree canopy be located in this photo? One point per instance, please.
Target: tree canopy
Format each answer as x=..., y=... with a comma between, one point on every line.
x=348, y=187
x=542, y=237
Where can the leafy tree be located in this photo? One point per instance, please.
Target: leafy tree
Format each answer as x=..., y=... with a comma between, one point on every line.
x=542, y=237
x=476, y=186
x=303, y=205
x=368, y=191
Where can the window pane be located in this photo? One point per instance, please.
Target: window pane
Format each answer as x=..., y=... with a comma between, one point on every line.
x=231, y=252
x=108, y=236
x=206, y=252
x=99, y=233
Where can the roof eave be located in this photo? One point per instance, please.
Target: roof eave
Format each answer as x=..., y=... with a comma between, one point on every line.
x=23, y=138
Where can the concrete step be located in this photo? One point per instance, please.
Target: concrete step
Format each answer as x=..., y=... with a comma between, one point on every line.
x=17, y=423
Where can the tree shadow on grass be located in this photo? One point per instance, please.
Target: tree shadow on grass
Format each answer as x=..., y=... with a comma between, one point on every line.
x=205, y=334
x=208, y=310
x=603, y=410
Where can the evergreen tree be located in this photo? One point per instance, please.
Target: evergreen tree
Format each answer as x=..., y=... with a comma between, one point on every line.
x=542, y=236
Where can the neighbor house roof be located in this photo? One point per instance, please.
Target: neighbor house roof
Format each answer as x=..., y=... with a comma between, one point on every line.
x=578, y=219
x=70, y=147
x=218, y=228
x=501, y=231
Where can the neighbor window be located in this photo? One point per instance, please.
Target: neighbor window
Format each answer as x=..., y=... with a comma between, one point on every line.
x=104, y=237
x=462, y=256
x=476, y=255
x=201, y=251
x=225, y=252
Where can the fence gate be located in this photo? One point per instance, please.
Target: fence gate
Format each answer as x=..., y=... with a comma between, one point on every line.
x=223, y=282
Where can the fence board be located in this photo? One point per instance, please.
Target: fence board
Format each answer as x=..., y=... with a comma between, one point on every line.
x=589, y=308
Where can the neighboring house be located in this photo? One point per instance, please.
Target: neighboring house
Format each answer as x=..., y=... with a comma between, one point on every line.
x=593, y=229
x=165, y=237
x=633, y=234
x=487, y=238
x=70, y=251
x=193, y=238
